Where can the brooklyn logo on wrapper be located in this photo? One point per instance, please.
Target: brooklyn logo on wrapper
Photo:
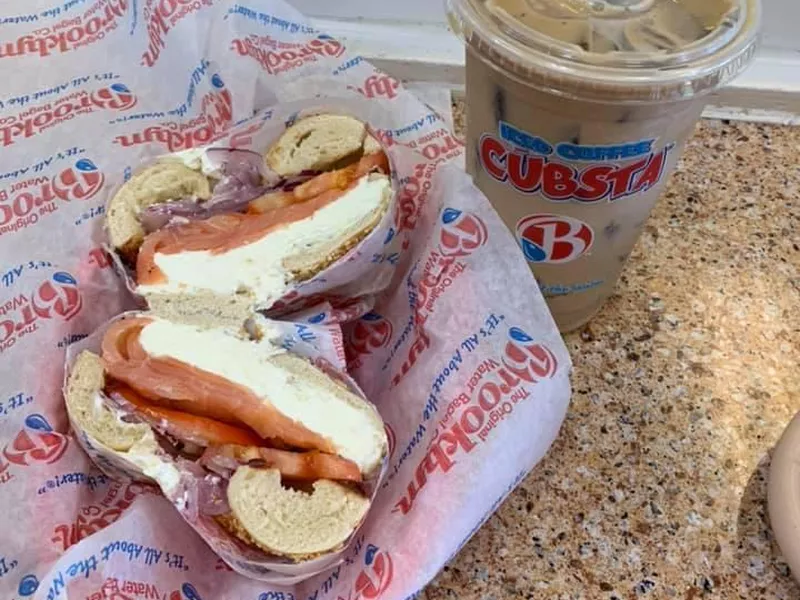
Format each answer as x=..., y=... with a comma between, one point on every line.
x=79, y=182
x=379, y=85
x=36, y=119
x=367, y=336
x=371, y=332
x=70, y=33
x=276, y=56
x=94, y=517
x=160, y=17
x=29, y=201
x=374, y=577
x=127, y=589
x=56, y=298
x=212, y=123
x=494, y=390
x=461, y=234
x=36, y=444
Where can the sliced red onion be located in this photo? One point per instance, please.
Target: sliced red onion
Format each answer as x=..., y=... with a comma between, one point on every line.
x=221, y=158
x=199, y=492
x=218, y=461
x=212, y=497
x=242, y=175
x=158, y=216
x=176, y=440
x=120, y=404
x=243, y=180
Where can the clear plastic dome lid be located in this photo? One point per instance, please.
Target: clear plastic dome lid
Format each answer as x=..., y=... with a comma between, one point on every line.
x=639, y=50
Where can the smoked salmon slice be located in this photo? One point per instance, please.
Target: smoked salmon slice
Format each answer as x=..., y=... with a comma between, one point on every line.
x=222, y=233
x=175, y=385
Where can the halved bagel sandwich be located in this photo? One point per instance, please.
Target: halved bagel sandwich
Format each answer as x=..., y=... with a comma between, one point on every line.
x=272, y=449
x=212, y=235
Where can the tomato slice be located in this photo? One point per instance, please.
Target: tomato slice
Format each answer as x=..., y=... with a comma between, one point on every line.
x=340, y=179
x=300, y=466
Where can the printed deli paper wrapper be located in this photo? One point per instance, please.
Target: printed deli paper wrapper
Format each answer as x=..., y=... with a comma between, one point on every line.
x=321, y=344
x=459, y=353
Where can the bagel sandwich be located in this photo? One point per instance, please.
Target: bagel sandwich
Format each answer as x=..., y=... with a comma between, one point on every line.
x=286, y=450
x=212, y=235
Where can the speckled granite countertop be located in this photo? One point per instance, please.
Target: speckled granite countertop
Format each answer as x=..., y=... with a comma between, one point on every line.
x=656, y=487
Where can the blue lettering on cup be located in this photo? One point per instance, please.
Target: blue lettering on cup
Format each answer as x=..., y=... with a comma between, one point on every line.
x=524, y=140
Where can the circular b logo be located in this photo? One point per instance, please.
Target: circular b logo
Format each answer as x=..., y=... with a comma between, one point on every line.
x=36, y=443
x=376, y=576
x=116, y=96
x=554, y=239
x=462, y=233
x=58, y=297
x=370, y=333
x=79, y=182
x=528, y=359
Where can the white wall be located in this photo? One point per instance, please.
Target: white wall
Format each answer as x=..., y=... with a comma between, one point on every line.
x=780, y=28
x=781, y=21
x=431, y=11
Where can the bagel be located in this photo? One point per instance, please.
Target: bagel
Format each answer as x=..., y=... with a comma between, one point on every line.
x=295, y=444
x=218, y=266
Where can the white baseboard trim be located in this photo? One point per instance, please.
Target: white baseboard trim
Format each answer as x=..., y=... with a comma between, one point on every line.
x=769, y=91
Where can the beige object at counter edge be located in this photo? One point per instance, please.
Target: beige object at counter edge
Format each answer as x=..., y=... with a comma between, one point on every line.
x=783, y=494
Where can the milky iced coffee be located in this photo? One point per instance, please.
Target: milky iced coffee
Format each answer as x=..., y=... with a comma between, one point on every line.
x=578, y=111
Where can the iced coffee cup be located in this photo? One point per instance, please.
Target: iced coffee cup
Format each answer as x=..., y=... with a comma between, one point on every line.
x=578, y=111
